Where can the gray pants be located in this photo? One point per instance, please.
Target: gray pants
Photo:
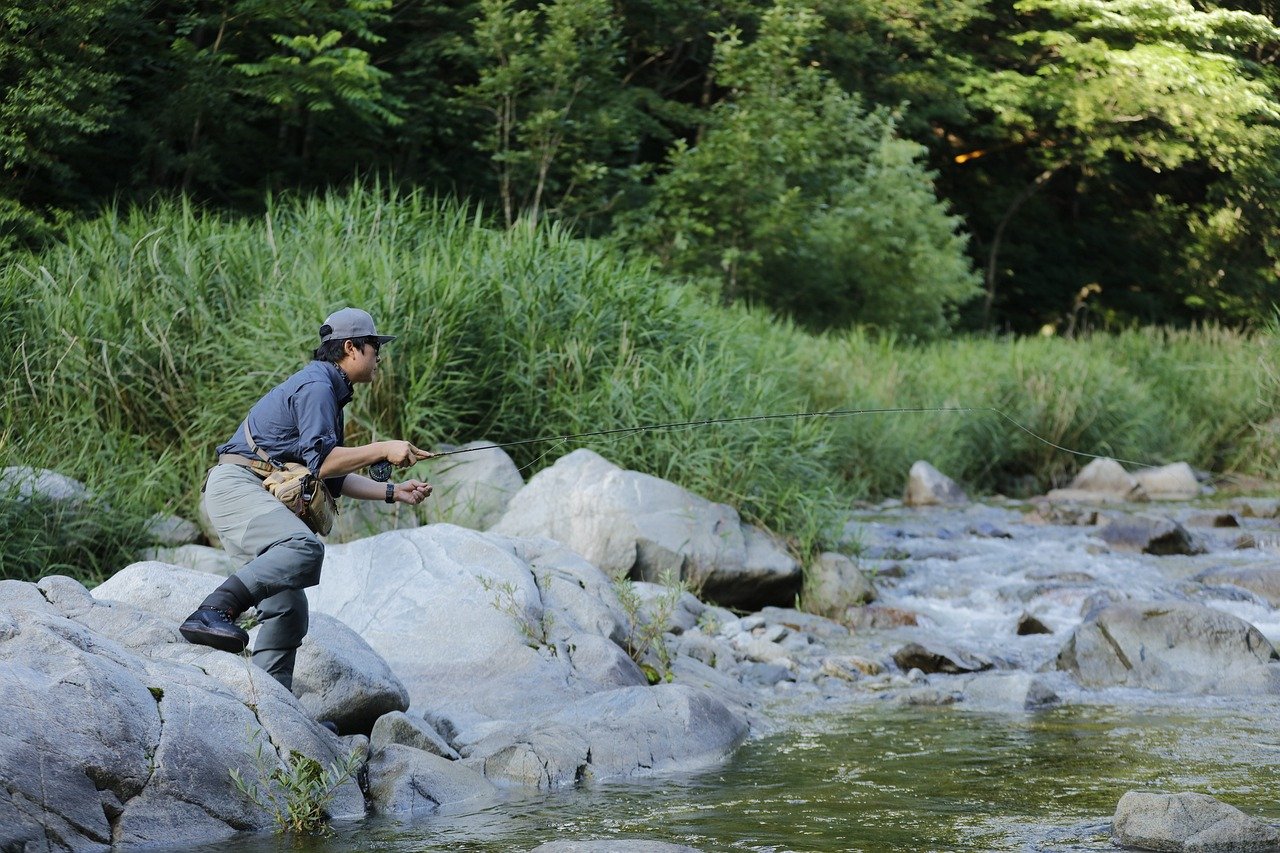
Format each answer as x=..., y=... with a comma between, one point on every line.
x=280, y=557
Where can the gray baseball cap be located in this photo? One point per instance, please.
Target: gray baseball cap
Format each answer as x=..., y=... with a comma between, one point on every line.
x=352, y=323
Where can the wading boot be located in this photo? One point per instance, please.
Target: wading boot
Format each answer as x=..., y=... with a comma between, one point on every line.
x=214, y=622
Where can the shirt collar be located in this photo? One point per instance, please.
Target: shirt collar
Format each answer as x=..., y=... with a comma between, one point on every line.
x=341, y=384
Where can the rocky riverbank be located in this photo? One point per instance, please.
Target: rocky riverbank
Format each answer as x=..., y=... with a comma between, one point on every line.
x=458, y=662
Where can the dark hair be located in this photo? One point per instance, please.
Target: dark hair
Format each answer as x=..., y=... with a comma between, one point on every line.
x=334, y=350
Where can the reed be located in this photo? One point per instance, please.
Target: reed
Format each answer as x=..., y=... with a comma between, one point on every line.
x=135, y=346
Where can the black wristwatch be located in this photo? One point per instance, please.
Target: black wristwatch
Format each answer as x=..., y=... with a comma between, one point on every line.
x=391, y=493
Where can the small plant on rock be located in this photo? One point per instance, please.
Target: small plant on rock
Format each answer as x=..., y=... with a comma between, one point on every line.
x=649, y=620
x=536, y=631
x=298, y=791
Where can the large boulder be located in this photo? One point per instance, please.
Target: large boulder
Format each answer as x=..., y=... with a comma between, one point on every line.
x=341, y=679
x=1190, y=822
x=633, y=524
x=471, y=485
x=337, y=677
x=612, y=734
x=119, y=732
x=503, y=642
x=1170, y=646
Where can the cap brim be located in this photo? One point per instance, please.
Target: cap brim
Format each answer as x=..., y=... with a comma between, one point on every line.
x=385, y=339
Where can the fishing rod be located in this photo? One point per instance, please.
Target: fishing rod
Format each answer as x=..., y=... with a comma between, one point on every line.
x=830, y=413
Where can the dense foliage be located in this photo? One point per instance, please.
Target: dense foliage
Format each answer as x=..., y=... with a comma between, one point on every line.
x=909, y=165
x=133, y=347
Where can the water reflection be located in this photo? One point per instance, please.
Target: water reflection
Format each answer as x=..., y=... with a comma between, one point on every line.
x=880, y=779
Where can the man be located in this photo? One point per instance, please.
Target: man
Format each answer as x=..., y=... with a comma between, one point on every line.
x=300, y=420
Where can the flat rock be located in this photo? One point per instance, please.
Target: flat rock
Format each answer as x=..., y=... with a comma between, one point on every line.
x=1191, y=822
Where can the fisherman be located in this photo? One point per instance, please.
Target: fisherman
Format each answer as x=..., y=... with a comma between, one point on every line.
x=300, y=420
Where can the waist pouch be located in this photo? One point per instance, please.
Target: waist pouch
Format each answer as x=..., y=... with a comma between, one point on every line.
x=293, y=484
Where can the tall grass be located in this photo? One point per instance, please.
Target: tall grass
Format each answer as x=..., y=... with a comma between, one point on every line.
x=135, y=347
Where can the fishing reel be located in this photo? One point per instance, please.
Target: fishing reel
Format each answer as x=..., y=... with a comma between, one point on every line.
x=380, y=471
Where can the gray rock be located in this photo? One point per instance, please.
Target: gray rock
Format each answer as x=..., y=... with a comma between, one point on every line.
x=170, y=531
x=1101, y=479
x=602, y=663
x=833, y=584
x=613, y=734
x=523, y=683
x=632, y=524
x=930, y=660
x=927, y=486
x=119, y=732
x=472, y=488
x=1007, y=691
x=166, y=590
x=678, y=610
x=408, y=782
x=1176, y=482
x=400, y=728
x=1212, y=519
x=26, y=483
x=1190, y=822
x=338, y=677
x=582, y=599
x=1263, y=581
x=1169, y=646
x=1149, y=534
x=798, y=620
x=361, y=519
x=201, y=558
x=766, y=674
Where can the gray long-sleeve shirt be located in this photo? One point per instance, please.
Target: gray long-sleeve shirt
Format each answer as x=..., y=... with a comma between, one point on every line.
x=299, y=420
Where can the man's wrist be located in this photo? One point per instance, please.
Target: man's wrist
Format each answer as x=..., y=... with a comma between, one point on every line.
x=391, y=493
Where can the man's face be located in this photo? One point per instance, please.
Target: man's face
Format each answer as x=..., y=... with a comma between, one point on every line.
x=360, y=363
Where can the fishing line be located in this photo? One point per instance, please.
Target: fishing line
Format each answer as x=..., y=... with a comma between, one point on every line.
x=832, y=413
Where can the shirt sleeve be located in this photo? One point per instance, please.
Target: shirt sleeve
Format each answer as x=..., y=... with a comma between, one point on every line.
x=315, y=411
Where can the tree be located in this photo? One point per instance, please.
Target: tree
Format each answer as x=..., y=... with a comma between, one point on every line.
x=802, y=199
x=1155, y=83
x=225, y=93
x=54, y=95
x=549, y=81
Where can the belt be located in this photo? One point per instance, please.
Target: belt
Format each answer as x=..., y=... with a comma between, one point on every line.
x=254, y=465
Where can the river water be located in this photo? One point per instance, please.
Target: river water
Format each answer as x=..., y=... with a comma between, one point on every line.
x=853, y=767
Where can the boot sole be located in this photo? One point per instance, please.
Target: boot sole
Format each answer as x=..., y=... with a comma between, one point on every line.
x=221, y=642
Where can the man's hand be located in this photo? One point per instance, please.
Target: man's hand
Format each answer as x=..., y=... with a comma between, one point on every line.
x=412, y=492
x=402, y=454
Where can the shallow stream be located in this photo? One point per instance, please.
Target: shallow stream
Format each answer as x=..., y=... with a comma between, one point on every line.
x=853, y=769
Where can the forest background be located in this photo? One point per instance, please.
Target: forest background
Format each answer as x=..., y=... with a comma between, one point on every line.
x=779, y=205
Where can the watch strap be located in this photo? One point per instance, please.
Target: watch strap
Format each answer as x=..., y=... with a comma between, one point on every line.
x=391, y=493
